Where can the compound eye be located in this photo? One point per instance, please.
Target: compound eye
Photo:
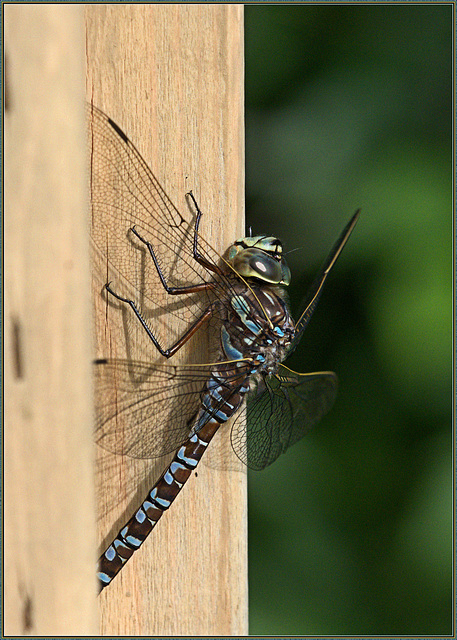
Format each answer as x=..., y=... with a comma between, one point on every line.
x=266, y=268
x=255, y=263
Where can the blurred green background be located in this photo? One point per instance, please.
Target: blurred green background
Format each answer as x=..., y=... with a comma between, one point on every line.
x=350, y=106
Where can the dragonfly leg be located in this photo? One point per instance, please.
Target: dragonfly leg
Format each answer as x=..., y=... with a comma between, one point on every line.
x=174, y=291
x=197, y=255
x=167, y=353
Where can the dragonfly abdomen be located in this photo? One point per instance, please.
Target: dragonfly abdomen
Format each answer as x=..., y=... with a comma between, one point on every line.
x=220, y=401
x=134, y=533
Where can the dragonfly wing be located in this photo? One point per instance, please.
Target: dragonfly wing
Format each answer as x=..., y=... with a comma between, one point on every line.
x=146, y=411
x=126, y=194
x=314, y=292
x=141, y=411
x=283, y=408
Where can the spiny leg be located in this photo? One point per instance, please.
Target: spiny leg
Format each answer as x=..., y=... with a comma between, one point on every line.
x=197, y=255
x=203, y=286
x=167, y=353
x=174, y=291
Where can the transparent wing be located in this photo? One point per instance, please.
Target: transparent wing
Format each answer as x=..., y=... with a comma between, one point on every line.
x=314, y=293
x=125, y=193
x=280, y=411
x=145, y=411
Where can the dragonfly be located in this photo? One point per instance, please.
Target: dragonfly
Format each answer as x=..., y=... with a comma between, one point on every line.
x=162, y=267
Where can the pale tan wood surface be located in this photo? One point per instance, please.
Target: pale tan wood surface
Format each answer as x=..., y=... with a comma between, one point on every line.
x=171, y=76
x=49, y=534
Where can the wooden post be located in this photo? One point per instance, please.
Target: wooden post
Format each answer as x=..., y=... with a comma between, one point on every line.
x=171, y=76
x=49, y=497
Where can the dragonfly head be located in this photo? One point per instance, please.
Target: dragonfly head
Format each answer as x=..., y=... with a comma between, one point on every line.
x=260, y=257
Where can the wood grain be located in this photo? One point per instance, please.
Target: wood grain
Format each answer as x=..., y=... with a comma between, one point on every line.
x=49, y=583
x=172, y=77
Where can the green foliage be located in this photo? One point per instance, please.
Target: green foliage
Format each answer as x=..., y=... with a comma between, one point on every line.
x=351, y=106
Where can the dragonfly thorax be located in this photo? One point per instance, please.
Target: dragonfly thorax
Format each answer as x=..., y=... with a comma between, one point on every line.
x=258, y=326
x=261, y=258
